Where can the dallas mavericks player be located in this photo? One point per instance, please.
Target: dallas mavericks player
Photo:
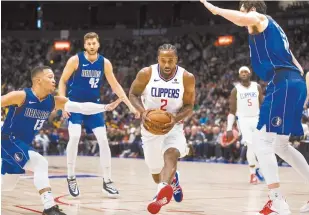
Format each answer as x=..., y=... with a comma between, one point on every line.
x=28, y=110
x=168, y=87
x=281, y=111
x=245, y=100
x=81, y=81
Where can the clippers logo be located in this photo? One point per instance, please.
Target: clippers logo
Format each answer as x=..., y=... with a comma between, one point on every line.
x=18, y=156
x=276, y=121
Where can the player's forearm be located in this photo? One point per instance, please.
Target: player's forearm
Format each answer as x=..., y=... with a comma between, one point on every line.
x=118, y=90
x=62, y=88
x=230, y=121
x=136, y=102
x=87, y=108
x=237, y=17
x=185, y=111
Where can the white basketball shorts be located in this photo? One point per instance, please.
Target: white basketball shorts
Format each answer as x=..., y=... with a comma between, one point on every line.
x=154, y=146
x=247, y=126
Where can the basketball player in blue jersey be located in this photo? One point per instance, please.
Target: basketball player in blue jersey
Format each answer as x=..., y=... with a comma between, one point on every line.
x=81, y=81
x=281, y=112
x=28, y=110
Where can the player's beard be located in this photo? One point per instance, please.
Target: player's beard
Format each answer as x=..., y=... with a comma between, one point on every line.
x=94, y=52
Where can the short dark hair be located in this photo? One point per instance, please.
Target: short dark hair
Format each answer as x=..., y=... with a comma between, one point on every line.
x=167, y=47
x=260, y=6
x=91, y=35
x=38, y=69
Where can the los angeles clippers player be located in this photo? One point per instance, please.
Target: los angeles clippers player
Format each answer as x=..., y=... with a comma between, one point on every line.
x=245, y=100
x=281, y=111
x=168, y=87
x=28, y=110
x=81, y=81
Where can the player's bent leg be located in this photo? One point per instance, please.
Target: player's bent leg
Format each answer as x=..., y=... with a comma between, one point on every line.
x=292, y=156
x=9, y=181
x=105, y=159
x=39, y=166
x=263, y=143
x=72, y=150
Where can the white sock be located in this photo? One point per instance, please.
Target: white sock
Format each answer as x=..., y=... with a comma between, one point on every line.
x=292, y=156
x=252, y=169
x=105, y=152
x=275, y=194
x=72, y=147
x=47, y=199
x=161, y=185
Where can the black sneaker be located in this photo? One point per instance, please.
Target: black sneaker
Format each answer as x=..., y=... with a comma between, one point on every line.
x=108, y=189
x=72, y=186
x=53, y=211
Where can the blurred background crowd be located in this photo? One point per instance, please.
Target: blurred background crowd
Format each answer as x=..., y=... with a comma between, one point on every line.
x=215, y=68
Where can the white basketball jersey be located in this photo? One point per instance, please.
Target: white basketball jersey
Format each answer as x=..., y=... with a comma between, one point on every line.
x=247, y=100
x=164, y=94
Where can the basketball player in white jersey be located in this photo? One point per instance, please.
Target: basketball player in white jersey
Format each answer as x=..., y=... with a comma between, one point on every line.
x=171, y=88
x=245, y=100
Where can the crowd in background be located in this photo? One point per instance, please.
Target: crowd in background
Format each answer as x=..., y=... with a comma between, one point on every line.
x=215, y=69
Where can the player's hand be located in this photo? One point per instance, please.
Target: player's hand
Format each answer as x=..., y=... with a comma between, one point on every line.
x=113, y=105
x=65, y=114
x=229, y=136
x=136, y=113
x=213, y=9
x=168, y=126
x=145, y=118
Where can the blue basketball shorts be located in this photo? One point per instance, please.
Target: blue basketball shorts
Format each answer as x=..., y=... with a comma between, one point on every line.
x=14, y=154
x=90, y=121
x=281, y=111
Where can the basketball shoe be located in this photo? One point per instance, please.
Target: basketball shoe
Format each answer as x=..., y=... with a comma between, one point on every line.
x=53, y=211
x=177, y=190
x=109, y=189
x=275, y=206
x=259, y=174
x=305, y=208
x=72, y=186
x=163, y=197
x=253, y=179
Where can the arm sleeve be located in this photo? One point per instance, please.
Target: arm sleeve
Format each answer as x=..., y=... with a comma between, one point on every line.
x=87, y=108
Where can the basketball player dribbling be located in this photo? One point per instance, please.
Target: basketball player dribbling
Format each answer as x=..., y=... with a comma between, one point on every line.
x=28, y=110
x=81, y=81
x=281, y=111
x=245, y=100
x=171, y=88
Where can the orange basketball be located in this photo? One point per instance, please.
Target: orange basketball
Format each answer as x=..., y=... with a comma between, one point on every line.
x=158, y=119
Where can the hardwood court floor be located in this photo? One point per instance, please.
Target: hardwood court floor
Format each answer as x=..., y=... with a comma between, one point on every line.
x=209, y=189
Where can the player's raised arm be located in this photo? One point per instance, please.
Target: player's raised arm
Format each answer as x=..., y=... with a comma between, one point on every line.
x=69, y=69
x=87, y=108
x=116, y=87
x=137, y=88
x=13, y=98
x=237, y=17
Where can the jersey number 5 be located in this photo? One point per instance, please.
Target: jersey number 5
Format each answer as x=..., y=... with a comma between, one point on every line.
x=94, y=82
x=39, y=124
x=163, y=104
x=249, y=102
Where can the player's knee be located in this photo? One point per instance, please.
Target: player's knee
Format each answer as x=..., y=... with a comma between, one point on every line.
x=171, y=154
x=282, y=144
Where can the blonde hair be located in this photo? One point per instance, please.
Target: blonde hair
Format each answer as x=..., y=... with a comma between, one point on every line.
x=91, y=35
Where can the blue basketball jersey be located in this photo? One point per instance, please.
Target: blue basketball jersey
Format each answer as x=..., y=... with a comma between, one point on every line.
x=84, y=85
x=25, y=121
x=270, y=52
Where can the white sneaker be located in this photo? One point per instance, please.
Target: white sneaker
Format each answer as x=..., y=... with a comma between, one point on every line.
x=275, y=207
x=305, y=208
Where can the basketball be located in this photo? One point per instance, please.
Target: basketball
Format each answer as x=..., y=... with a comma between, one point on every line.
x=225, y=139
x=158, y=119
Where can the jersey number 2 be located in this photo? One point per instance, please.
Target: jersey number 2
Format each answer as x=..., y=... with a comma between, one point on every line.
x=94, y=82
x=249, y=102
x=163, y=104
x=39, y=124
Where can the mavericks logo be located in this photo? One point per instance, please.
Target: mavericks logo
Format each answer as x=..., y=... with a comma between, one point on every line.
x=18, y=156
x=276, y=121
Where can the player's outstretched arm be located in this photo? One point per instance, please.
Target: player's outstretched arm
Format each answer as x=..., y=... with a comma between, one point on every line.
x=137, y=88
x=13, y=98
x=237, y=17
x=188, y=101
x=87, y=108
x=68, y=70
x=116, y=87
